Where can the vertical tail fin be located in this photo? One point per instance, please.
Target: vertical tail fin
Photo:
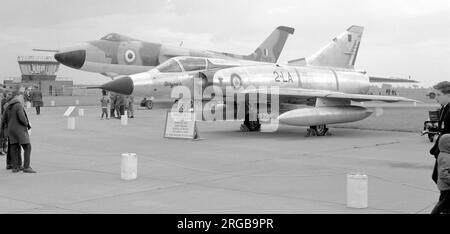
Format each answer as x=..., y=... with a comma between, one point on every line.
x=341, y=52
x=270, y=49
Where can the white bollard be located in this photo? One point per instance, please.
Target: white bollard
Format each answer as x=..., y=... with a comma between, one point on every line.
x=124, y=119
x=357, y=190
x=129, y=166
x=71, y=123
x=81, y=112
x=415, y=104
x=52, y=103
x=77, y=102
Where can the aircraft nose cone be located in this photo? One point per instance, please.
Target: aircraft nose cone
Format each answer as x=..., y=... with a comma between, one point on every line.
x=123, y=85
x=74, y=59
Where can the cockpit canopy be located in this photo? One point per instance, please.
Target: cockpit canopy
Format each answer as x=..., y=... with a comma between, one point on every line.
x=187, y=64
x=182, y=64
x=117, y=37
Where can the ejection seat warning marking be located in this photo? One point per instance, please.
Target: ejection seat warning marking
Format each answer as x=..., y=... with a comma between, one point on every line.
x=69, y=111
x=180, y=125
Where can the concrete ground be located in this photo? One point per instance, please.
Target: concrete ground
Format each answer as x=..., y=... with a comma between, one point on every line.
x=227, y=171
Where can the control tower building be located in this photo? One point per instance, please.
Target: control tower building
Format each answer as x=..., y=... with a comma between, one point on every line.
x=40, y=72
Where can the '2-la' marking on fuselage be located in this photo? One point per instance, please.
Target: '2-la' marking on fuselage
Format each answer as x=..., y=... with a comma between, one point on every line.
x=279, y=77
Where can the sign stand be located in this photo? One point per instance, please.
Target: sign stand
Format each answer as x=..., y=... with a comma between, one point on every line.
x=181, y=125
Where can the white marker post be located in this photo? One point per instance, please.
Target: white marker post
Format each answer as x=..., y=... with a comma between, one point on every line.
x=128, y=170
x=52, y=103
x=124, y=120
x=70, y=119
x=77, y=102
x=81, y=112
x=357, y=190
x=71, y=123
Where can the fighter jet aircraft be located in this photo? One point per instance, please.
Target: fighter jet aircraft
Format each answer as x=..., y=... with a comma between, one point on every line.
x=116, y=54
x=316, y=92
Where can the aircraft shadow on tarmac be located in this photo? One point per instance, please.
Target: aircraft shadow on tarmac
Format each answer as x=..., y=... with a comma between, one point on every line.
x=294, y=133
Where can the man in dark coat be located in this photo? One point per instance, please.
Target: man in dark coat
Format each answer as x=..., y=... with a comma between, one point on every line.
x=17, y=126
x=36, y=98
x=443, y=98
x=5, y=143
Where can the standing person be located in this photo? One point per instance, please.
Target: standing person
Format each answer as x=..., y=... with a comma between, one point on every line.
x=112, y=98
x=443, y=178
x=442, y=90
x=120, y=105
x=130, y=106
x=127, y=107
x=27, y=97
x=17, y=126
x=3, y=139
x=36, y=98
x=104, y=102
x=3, y=132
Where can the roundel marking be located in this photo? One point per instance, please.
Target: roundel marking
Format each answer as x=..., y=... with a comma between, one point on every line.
x=236, y=81
x=130, y=56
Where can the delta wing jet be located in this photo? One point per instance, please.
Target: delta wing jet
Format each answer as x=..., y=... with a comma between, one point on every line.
x=116, y=54
x=314, y=93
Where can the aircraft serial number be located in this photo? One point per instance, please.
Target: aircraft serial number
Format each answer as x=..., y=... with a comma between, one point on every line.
x=280, y=77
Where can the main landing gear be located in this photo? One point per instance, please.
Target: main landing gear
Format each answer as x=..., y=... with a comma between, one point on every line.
x=251, y=126
x=318, y=130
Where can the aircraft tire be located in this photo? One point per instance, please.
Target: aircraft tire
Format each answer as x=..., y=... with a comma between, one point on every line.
x=252, y=126
x=149, y=104
x=318, y=130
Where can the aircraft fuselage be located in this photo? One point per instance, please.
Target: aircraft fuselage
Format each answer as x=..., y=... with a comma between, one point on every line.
x=314, y=78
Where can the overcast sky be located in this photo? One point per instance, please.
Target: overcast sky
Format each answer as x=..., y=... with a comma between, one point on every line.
x=401, y=37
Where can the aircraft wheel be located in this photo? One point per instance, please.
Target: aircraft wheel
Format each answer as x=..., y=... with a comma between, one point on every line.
x=318, y=130
x=255, y=125
x=251, y=126
x=311, y=132
x=149, y=104
x=321, y=130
